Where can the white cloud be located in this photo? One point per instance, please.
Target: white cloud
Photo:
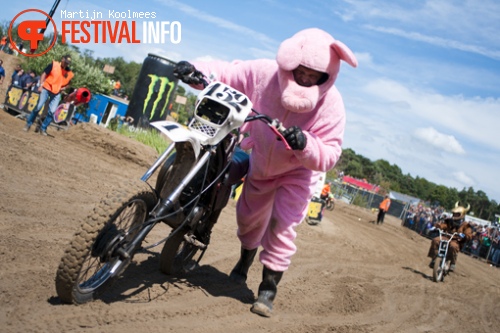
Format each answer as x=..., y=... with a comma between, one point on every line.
x=438, y=140
x=222, y=23
x=438, y=41
x=475, y=119
x=364, y=59
x=462, y=178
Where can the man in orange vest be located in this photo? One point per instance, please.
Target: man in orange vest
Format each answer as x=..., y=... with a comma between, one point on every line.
x=382, y=209
x=3, y=42
x=325, y=192
x=116, y=88
x=55, y=77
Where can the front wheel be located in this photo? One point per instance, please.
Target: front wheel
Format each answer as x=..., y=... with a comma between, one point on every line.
x=330, y=205
x=94, y=258
x=439, y=270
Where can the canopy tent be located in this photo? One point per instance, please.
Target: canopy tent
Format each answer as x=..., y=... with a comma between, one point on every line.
x=361, y=183
x=404, y=198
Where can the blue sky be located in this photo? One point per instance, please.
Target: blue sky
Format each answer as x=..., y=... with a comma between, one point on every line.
x=426, y=94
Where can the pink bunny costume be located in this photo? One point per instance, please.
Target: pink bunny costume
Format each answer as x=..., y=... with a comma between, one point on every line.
x=280, y=182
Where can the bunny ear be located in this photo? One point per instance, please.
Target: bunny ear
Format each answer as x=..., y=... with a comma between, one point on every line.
x=344, y=53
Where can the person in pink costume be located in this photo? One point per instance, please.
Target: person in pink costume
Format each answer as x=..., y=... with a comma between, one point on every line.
x=298, y=89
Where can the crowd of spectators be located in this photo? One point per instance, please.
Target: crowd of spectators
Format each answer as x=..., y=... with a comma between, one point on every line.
x=485, y=242
x=7, y=46
x=27, y=80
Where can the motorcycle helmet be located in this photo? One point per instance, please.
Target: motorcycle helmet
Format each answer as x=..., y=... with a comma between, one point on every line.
x=458, y=214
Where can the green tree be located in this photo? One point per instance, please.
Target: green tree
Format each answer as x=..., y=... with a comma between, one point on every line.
x=86, y=75
x=125, y=72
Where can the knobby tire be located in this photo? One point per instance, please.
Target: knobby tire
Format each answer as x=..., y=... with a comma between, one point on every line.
x=82, y=277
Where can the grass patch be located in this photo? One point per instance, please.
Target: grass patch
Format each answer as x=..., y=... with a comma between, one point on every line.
x=151, y=138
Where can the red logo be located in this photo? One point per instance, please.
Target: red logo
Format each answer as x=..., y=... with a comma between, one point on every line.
x=30, y=30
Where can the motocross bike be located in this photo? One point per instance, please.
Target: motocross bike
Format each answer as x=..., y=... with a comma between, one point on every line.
x=330, y=202
x=192, y=188
x=441, y=262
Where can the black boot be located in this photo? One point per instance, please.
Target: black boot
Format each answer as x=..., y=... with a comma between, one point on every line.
x=240, y=271
x=267, y=292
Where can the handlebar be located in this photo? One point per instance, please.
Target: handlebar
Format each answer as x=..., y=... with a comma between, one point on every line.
x=275, y=125
x=444, y=233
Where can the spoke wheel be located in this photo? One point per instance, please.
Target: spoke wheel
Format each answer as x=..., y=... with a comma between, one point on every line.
x=438, y=271
x=177, y=254
x=95, y=256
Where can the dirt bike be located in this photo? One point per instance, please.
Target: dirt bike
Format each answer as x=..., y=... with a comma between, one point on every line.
x=441, y=262
x=193, y=185
x=330, y=202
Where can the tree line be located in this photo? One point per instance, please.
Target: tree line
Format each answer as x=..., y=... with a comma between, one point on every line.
x=391, y=178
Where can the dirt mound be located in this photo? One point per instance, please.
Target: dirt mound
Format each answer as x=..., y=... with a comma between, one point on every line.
x=349, y=275
x=93, y=136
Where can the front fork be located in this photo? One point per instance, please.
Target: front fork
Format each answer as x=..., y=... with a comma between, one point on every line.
x=443, y=249
x=443, y=253
x=167, y=204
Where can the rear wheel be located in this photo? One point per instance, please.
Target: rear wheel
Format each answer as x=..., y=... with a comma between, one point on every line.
x=177, y=255
x=185, y=248
x=94, y=258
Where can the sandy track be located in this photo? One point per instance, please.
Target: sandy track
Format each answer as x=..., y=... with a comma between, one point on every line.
x=348, y=275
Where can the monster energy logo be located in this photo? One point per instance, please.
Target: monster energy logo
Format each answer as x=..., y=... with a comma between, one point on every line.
x=164, y=82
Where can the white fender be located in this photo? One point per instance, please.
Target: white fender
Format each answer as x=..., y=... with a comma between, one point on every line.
x=178, y=133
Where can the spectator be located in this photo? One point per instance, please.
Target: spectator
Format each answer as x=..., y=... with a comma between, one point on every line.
x=17, y=68
x=28, y=80
x=2, y=72
x=495, y=247
x=3, y=43
x=55, y=77
x=325, y=192
x=382, y=209
x=475, y=245
x=116, y=88
x=20, y=46
x=16, y=78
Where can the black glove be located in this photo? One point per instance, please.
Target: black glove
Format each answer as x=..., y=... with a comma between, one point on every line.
x=183, y=68
x=187, y=73
x=295, y=138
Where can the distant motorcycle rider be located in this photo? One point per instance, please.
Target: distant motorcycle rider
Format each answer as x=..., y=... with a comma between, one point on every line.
x=455, y=223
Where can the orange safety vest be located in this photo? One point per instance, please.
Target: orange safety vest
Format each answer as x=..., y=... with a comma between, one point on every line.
x=4, y=41
x=57, y=78
x=384, y=205
x=326, y=190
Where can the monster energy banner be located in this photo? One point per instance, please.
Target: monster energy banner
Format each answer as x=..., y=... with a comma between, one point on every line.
x=152, y=98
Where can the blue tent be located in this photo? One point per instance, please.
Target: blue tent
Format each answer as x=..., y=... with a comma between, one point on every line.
x=103, y=108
